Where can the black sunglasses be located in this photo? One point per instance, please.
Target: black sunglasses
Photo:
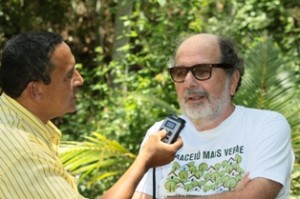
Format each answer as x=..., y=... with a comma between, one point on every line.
x=200, y=71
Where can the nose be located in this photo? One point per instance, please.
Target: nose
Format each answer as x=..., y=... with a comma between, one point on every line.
x=78, y=79
x=189, y=79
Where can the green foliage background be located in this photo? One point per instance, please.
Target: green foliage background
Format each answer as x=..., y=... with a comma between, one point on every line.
x=127, y=87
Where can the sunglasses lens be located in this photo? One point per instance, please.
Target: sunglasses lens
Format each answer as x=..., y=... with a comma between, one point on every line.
x=178, y=73
x=201, y=72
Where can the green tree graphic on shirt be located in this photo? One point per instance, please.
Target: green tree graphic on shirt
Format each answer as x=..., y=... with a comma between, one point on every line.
x=219, y=177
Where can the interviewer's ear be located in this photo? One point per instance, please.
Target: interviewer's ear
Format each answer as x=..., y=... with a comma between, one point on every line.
x=34, y=91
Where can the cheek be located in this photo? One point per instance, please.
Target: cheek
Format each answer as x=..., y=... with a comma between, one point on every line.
x=218, y=89
x=216, y=86
x=223, y=90
x=179, y=91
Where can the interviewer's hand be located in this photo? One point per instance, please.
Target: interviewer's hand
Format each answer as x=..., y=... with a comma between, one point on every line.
x=157, y=153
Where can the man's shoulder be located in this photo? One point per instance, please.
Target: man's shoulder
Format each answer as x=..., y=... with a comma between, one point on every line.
x=13, y=137
x=268, y=121
x=17, y=145
x=259, y=113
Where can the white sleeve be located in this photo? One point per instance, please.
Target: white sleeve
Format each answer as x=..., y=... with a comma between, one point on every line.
x=271, y=154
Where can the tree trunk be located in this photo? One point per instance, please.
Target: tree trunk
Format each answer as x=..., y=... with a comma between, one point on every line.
x=120, y=37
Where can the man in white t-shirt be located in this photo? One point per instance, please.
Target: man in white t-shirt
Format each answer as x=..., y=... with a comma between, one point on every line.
x=229, y=151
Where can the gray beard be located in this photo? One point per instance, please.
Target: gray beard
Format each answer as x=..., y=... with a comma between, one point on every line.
x=205, y=113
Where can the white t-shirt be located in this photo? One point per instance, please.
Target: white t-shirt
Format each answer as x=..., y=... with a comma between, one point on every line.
x=214, y=161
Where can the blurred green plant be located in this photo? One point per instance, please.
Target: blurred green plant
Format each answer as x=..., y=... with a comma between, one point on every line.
x=95, y=158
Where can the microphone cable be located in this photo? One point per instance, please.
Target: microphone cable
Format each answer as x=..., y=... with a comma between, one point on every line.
x=154, y=183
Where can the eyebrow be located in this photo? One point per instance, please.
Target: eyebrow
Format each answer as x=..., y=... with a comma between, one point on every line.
x=71, y=71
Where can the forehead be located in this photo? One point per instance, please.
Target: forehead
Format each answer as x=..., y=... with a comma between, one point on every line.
x=202, y=48
x=62, y=57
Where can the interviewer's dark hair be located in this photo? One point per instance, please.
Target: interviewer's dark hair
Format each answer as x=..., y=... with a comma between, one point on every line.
x=27, y=57
x=230, y=56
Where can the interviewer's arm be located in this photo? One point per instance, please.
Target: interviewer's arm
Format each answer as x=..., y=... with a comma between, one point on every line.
x=154, y=153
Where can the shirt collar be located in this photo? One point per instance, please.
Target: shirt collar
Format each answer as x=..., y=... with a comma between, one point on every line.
x=48, y=131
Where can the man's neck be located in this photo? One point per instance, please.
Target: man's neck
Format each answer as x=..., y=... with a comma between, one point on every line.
x=203, y=124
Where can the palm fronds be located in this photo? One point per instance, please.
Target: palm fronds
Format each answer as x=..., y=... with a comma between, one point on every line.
x=270, y=82
x=97, y=157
